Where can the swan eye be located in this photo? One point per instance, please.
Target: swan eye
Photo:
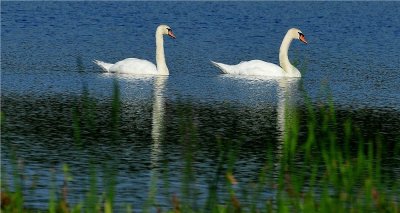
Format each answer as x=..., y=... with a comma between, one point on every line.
x=169, y=29
x=301, y=34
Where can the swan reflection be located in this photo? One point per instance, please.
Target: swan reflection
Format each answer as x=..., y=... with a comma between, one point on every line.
x=287, y=96
x=157, y=119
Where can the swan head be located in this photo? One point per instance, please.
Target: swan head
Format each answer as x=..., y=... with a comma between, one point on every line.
x=297, y=34
x=165, y=30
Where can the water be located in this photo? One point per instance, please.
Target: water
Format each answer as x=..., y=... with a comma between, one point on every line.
x=47, y=50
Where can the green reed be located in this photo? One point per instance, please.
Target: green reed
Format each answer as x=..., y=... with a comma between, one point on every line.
x=325, y=165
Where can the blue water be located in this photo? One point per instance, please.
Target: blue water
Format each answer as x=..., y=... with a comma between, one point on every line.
x=47, y=50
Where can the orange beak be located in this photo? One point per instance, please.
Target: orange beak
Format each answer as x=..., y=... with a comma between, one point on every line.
x=171, y=34
x=303, y=39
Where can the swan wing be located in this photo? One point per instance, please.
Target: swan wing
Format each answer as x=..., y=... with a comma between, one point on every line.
x=134, y=66
x=253, y=67
x=105, y=66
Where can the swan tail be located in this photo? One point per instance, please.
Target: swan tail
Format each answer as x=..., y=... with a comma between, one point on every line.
x=221, y=66
x=105, y=66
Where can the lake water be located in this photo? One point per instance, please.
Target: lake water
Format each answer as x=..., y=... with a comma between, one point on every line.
x=47, y=50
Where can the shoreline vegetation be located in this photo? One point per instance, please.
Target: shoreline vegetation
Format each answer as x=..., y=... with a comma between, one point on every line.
x=324, y=165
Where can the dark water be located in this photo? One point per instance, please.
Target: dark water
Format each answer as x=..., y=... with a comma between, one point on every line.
x=46, y=54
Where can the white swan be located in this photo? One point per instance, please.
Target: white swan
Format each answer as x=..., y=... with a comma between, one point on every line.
x=258, y=67
x=140, y=66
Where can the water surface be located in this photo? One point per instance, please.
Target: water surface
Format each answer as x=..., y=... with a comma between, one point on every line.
x=47, y=52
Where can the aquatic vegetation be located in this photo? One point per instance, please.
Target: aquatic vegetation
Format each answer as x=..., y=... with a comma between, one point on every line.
x=325, y=164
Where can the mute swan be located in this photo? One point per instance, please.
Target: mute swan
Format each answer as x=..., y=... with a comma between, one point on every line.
x=258, y=67
x=140, y=66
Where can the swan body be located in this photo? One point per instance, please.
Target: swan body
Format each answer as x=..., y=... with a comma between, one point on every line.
x=253, y=67
x=139, y=66
x=130, y=65
x=258, y=67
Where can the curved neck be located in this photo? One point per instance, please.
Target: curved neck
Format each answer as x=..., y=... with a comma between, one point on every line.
x=290, y=70
x=283, y=53
x=160, y=57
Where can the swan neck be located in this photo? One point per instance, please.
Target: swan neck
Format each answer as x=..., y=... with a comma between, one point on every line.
x=283, y=53
x=160, y=56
